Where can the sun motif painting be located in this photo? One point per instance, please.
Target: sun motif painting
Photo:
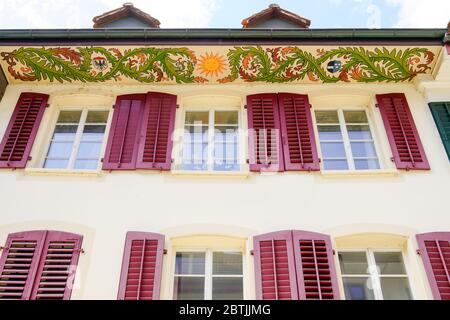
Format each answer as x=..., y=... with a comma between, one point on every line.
x=212, y=64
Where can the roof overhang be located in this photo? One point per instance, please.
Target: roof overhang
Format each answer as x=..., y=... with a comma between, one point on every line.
x=219, y=56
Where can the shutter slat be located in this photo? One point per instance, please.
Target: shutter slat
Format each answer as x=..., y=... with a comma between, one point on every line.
x=265, y=147
x=274, y=266
x=155, y=149
x=30, y=243
x=441, y=115
x=434, y=248
x=122, y=147
x=55, y=274
x=299, y=145
x=141, y=267
x=402, y=133
x=316, y=273
x=20, y=134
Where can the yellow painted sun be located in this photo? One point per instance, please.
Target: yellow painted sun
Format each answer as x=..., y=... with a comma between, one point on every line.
x=212, y=64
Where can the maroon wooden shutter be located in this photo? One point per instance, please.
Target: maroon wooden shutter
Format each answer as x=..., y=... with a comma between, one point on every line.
x=402, y=133
x=19, y=137
x=299, y=144
x=265, y=148
x=316, y=273
x=57, y=266
x=274, y=266
x=435, y=251
x=121, y=150
x=19, y=263
x=155, y=149
x=141, y=266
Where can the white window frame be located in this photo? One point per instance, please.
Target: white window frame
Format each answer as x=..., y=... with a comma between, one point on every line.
x=208, y=270
x=76, y=144
x=374, y=275
x=345, y=138
x=211, y=125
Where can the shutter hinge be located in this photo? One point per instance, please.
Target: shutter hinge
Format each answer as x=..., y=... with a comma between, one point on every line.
x=101, y=160
x=247, y=161
x=376, y=105
x=3, y=248
x=252, y=252
x=172, y=160
x=178, y=106
x=79, y=250
x=165, y=251
x=245, y=106
x=334, y=252
x=419, y=252
x=310, y=106
x=47, y=105
x=113, y=106
x=29, y=158
x=392, y=159
x=320, y=160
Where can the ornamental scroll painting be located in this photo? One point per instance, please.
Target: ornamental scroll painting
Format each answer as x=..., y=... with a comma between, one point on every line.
x=217, y=65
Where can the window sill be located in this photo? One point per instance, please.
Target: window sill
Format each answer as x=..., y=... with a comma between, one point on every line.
x=62, y=172
x=359, y=173
x=210, y=174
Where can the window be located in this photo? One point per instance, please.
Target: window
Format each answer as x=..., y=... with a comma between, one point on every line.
x=77, y=140
x=208, y=275
x=211, y=141
x=374, y=275
x=346, y=141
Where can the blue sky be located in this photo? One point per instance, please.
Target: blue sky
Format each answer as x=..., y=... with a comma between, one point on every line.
x=229, y=13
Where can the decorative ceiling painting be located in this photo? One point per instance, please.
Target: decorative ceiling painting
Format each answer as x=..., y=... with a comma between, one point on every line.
x=217, y=64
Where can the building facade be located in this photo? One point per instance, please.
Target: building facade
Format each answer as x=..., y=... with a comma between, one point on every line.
x=254, y=163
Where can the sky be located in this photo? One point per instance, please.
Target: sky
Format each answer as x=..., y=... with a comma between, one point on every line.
x=44, y=14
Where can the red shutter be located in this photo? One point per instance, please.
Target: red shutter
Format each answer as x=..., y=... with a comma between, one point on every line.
x=274, y=266
x=18, y=264
x=155, y=150
x=265, y=149
x=299, y=144
x=121, y=150
x=435, y=251
x=56, y=272
x=141, y=266
x=402, y=133
x=316, y=273
x=18, y=140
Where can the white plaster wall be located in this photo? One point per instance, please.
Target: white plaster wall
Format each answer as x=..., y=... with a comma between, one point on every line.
x=104, y=206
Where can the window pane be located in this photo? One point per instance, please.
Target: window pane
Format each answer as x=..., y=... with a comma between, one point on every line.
x=226, y=134
x=56, y=164
x=390, y=262
x=367, y=164
x=93, y=133
x=355, y=117
x=190, y=263
x=60, y=150
x=97, y=117
x=226, y=117
x=86, y=164
x=359, y=132
x=90, y=150
x=358, y=288
x=329, y=133
x=196, y=134
x=363, y=150
x=335, y=165
x=395, y=289
x=195, y=117
x=64, y=133
x=189, y=288
x=227, y=263
x=227, y=289
x=69, y=117
x=353, y=263
x=327, y=117
x=332, y=149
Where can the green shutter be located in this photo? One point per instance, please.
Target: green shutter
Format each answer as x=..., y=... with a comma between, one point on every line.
x=441, y=114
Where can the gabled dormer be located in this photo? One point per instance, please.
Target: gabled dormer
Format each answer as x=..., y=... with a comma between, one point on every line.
x=126, y=17
x=275, y=17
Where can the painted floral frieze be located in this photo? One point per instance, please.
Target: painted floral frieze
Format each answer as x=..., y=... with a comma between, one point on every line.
x=217, y=64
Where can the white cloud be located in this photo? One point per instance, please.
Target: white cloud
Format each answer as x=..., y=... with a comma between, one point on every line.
x=421, y=13
x=79, y=13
